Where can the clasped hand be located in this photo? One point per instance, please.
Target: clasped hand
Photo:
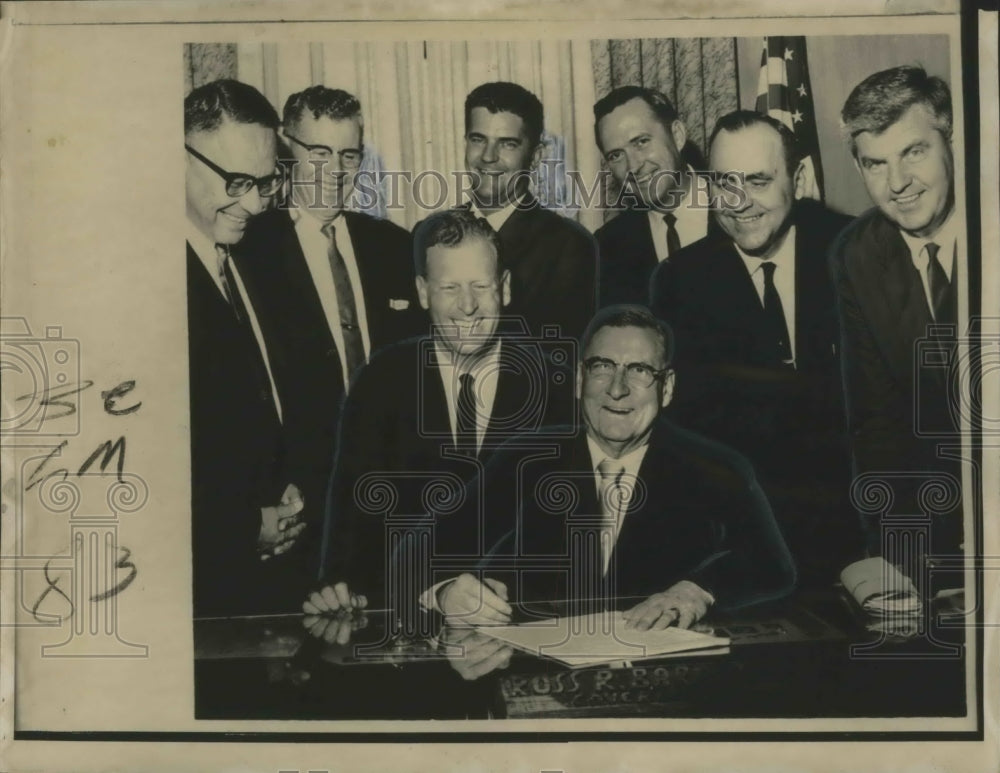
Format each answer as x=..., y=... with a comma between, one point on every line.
x=280, y=525
x=334, y=613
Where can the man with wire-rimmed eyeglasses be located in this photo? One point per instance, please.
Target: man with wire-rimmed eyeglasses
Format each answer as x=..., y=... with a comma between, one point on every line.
x=333, y=285
x=632, y=511
x=245, y=512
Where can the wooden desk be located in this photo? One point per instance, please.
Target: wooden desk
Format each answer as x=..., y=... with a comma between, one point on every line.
x=789, y=660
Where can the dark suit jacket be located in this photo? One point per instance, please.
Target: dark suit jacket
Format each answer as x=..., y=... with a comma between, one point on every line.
x=395, y=430
x=553, y=267
x=897, y=413
x=307, y=367
x=629, y=257
x=697, y=514
x=732, y=385
x=236, y=461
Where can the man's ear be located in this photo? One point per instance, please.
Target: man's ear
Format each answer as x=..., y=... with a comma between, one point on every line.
x=536, y=155
x=679, y=132
x=668, y=388
x=505, y=288
x=422, y=293
x=579, y=380
x=799, y=180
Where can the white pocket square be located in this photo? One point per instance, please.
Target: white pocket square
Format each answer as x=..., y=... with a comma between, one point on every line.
x=399, y=304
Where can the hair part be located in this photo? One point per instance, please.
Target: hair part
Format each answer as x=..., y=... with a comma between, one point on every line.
x=658, y=102
x=631, y=315
x=744, y=119
x=880, y=100
x=207, y=106
x=451, y=228
x=506, y=97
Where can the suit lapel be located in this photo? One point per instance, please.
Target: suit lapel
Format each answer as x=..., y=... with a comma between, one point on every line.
x=645, y=247
x=434, y=407
x=509, y=397
x=812, y=302
x=904, y=307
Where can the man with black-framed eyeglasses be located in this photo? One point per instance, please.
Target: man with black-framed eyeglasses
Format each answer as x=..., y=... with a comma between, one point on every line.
x=631, y=512
x=245, y=512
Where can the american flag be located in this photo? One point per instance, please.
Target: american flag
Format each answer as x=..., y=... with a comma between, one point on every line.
x=785, y=93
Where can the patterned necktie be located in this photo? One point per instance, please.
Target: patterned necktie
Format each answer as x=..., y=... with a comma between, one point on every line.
x=229, y=286
x=937, y=281
x=613, y=499
x=465, y=410
x=774, y=314
x=673, y=240
x=354, y=347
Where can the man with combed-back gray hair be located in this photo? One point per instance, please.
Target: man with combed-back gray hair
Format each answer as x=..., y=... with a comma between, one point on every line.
x=897, y=269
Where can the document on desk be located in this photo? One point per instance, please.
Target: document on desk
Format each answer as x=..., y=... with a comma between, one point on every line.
x=587, y=640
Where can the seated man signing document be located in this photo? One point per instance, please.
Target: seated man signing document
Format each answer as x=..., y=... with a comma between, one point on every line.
x=631, y=512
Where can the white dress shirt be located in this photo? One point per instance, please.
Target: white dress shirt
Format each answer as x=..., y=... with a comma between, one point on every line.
x=485, y=370
x=315, y=249
x=628, y=481
x=498, y=218
x=784, y=280
x=206, y=252
x=691, y=224
x=947, y=240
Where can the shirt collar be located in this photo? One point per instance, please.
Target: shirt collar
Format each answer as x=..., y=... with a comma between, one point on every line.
x=202, y=245
x=498, y=218
x=784, y=257
x=945, y=237
x=303, y=220
x=490, y=359
x=630, y=461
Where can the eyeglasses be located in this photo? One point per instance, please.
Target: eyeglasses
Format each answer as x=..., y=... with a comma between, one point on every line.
x=238, y=184
x=350, y=158
x=637, y=374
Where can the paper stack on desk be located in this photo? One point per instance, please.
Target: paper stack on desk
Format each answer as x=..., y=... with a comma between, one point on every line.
x=602, y=638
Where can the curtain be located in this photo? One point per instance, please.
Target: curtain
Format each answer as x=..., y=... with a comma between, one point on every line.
x=207, y=62
x=412, y=97
x=699, y=75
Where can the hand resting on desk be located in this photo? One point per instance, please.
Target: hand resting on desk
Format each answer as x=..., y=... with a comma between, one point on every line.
x=683, y=604
x=333, y=598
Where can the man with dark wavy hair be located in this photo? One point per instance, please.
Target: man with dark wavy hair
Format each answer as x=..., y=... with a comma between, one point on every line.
x=642, y=138
x=897, y=269
x=552, y=260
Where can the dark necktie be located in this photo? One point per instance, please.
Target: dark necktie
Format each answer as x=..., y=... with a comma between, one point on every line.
x=235, y=298
x=939, y=285
x=673, y=240
x=774, y=314
x=465, y=411
x=354, y=347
